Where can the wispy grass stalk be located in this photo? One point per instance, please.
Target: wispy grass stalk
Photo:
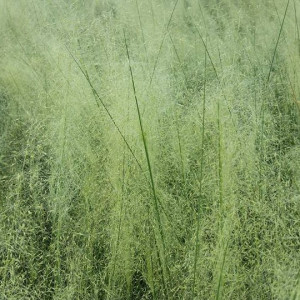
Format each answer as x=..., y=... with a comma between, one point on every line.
x=221, y=274
x=142, y=30
x=197, y=246
x=162, y=42
x=98, y=98
x=59, y=210
x=220, y=158
x=120, y=219
x=162, y=257
x=277, y=42
x=263, y=106
x=220, y=162
x=179, y=61
x=217, y=75
x=180, y=151
x=297, y=27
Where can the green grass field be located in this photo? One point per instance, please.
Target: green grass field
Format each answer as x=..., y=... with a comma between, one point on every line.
x=149, y=149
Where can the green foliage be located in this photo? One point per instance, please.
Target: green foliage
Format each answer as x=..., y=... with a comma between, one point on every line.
x=149, y=149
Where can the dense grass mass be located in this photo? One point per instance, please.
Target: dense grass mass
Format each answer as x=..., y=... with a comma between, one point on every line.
x=150, y=149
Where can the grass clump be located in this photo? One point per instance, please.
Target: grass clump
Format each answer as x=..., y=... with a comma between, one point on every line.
x=149, y=150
